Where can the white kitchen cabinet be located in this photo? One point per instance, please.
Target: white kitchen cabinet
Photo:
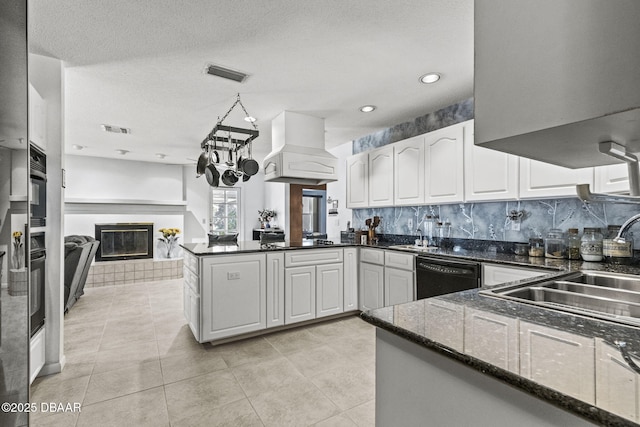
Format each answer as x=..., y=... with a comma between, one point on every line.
x=408, y=167
x=617, y=385
x=36, y=354
x=488, y=174
x=358, y=181
x=37, y=119
x=438, y=313
x=372, y=256
x=381, y=176
x=495, y=274
x=444, y=165
x=539, y=180
x=275, y=289
x=611, y=179
x=233, y=295
x=559, y=360
x=492, y=338
x=350, y=279
x=191, y=292
x=299, y=294
x=371, y=286
x=398, y=286
x=329, y=289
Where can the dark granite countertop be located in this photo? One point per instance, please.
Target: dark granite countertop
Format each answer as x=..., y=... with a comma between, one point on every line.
x=249, y=246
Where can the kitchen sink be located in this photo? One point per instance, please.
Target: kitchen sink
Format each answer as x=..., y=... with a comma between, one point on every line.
x=610, y=296
x=415, y=248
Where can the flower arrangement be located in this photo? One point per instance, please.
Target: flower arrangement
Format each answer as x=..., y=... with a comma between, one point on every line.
x=266, y=215
x=169, y=237
x=17, y=252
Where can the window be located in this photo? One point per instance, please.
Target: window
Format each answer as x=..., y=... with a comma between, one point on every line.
x=225, y=211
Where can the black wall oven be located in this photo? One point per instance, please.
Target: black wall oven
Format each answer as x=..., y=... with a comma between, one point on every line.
x=437, y=276
x=38, y=179
x=37, y=267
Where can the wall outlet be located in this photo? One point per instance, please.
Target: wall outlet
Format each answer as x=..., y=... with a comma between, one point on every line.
x=233, y=275
x=515, y=225
x=410, y=223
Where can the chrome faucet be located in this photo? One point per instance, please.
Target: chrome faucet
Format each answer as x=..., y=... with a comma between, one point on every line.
x=419, y=230
x=620, y=238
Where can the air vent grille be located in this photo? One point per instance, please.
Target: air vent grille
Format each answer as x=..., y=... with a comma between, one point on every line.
x=226, y=73
x=115, y=129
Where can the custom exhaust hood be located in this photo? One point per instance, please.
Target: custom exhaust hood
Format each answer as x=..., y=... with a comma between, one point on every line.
x=298, y=155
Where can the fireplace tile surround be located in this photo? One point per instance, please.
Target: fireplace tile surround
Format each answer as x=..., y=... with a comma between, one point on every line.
x=133, y=271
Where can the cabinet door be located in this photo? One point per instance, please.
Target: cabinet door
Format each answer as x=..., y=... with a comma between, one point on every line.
x=611, y=179
x=275, y=289
x=37, y=119
x=617, y=385
x=444, y=165
x=538, y=179
x=488, y=174
x=408, y=167
x=498, y=274
x=381, y=176
x=559, y=360
x=444, y=322
x=329, y=289
x=191, y=310
x=399, y=286
x=371, y=286
x=358, y=181
x=492, y=338
x=299, y=294
x=350, y=279
x=233, y=295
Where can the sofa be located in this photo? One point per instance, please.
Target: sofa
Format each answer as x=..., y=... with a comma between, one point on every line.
x=79, y=252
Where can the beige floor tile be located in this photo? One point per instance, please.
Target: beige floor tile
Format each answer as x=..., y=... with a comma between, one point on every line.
x=199, y=395
x=49, y=389
x=256, y=378
x=340, y=420
x=318, y=360
x=347, y=386
x=293, y=340
x=235, y=414
x=333, y=329
x=123, y=334
x=62, y=419
x=146, y=408
x=112, y=384
x=178, y=342
x=188, y=365
x=363, y=415
x=295, y=404
x=251, y=350
x=132, y=354
x=78, y=364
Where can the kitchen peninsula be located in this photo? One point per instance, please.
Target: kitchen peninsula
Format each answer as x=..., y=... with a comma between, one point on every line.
x=245, y=288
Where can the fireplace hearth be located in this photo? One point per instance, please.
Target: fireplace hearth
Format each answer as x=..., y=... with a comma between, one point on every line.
x=124, y=241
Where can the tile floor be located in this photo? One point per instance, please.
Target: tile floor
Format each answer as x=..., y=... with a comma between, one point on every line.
x=132, y=360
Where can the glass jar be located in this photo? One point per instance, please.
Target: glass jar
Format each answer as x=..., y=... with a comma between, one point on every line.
x=614, y=252
x=573, y=244
x=591, y=245
x=521, y=248
x=536, y=247
x=555, y=245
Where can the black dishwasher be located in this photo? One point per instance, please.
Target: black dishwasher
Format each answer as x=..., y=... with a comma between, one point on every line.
x=437, y=276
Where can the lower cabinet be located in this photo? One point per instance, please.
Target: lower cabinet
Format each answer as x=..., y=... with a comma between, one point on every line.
x=492, y=338
x=444, y=322
x=329, y=289
x=350, y=279
x=557, y=359
x=398, y=286
x=493, y=274
x=233, y=295
x=371, y=286
x=275, y=289
x=191, y=307
x=299, y=294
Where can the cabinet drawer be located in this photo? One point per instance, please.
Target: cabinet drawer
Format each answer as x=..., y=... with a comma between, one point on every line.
x=372, y=256
x=190, y=261
x=191, y=280
x=399, y=260
x=312, y=257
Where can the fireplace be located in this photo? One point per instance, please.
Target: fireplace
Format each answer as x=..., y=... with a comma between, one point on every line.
x=124, y=241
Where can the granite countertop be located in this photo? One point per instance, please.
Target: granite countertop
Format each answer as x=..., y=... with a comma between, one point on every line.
x=250, y=246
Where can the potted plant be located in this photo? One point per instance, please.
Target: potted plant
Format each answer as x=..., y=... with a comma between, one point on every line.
x=266, y=215
x=170, y=238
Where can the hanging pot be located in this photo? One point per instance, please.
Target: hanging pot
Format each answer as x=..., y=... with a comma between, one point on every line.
x=202, y=163
x=229, y=178
x=245, y=177
x=250, y=166
x=212, y=174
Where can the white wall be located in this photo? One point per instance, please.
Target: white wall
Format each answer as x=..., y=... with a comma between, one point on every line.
x=276, y=197
x=338, y=191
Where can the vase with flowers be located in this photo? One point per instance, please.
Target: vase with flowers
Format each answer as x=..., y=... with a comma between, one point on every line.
x=265, y=216
x=169, y=238
x=17, y=257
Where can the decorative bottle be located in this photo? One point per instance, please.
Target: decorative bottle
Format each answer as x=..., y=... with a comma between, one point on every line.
x=591, y=245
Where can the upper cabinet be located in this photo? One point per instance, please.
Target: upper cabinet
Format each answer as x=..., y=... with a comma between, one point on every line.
x=408, y=164
x=550, y=87
x=444, y=165
x=37, y=119
x=381, y=176
x=538, y=179
x=488, y=174
x=611, y=179
x=358, y=181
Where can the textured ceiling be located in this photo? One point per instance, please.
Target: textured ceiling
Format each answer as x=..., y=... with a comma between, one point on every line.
x=139, y=64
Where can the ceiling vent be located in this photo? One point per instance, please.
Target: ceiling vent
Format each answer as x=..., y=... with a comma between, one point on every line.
x=226, y=73
x=115, y=129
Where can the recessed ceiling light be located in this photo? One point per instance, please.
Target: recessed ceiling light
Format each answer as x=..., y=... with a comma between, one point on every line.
x=367, y=108
x=430, y=78
x=121, y=151
x=78, y=147
x=161, y=155
x=250, y=119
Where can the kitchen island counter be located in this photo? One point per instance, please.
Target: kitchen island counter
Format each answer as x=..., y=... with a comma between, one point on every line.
x=252, y=246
